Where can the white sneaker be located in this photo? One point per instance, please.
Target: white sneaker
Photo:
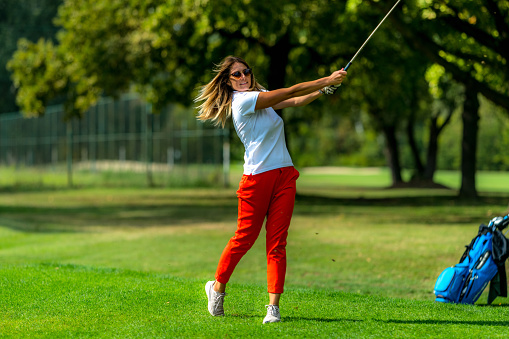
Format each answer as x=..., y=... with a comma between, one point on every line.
x=215, y=299
x=273, y=315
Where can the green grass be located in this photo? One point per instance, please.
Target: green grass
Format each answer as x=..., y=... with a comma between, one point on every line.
x=53, y=177
x=370, y=179
x=131, y=262
x=323, y=180
x=67, y=301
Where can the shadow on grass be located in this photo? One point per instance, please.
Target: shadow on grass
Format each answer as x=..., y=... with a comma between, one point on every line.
x=80, y=219
x=426, y=209
x=404, y=322
x=425, y=200
x=30, y=189
x=447, y=322
x=323, y=320
x=294, y=319
x=182, y=209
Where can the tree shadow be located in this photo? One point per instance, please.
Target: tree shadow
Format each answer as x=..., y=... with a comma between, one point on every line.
x=446, y=322
x=407, y=201
x=323, y=320
x=81, y=219
x=316, y=204
x=403, y=322
x=208, y=208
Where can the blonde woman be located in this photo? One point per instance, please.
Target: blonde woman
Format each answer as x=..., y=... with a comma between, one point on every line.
x=267, y=188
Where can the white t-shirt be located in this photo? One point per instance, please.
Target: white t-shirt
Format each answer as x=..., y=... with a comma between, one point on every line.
x=261, y=132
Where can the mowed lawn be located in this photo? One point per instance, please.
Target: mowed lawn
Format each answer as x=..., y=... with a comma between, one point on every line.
x=123, y=262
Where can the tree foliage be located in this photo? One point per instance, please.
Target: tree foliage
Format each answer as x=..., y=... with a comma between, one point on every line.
x=470, y=39
x=42, y=76
x=406, y=79
x=165, y=49
x=28, y=19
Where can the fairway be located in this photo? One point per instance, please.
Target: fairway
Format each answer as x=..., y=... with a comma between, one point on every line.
x=66, y=301
x=121, y=262
x=126, y=128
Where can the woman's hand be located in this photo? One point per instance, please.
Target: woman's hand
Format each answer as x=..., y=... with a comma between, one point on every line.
x=337, y=77
x=277, y=98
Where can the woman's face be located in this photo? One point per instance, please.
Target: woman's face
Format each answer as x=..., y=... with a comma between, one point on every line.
x=240, y=77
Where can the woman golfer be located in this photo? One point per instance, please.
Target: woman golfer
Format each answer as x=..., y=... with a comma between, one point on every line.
x=267, y=188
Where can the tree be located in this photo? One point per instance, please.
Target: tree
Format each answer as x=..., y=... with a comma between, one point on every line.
x=99, y=50
x=38, y=75
x=447, y=96
x=389, y=84
x=471, y=41
x=29, y=19
x=166, y=49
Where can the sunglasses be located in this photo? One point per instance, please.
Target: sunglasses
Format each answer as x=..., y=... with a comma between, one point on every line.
x=237, y=75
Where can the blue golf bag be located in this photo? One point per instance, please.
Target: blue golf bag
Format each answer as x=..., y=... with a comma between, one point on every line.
x=483, y=261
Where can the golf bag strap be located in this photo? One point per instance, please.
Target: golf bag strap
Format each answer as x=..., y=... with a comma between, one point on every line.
x=503, y=281
x=483, y=229
x=500, y=247
x=498, y=285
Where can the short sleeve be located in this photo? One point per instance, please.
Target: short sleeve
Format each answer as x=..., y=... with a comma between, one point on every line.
x=244, y=103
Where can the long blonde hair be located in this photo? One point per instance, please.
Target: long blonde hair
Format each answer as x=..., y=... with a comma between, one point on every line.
x=218, y=93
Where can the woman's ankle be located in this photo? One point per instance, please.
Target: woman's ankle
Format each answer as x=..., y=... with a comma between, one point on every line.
x=218, y=287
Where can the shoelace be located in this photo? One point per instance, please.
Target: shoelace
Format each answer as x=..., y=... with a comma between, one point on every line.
x=218, y=302
x=273, y=310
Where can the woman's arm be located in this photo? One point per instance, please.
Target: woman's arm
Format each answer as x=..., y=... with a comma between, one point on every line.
x=298, y=101
x=273, y=98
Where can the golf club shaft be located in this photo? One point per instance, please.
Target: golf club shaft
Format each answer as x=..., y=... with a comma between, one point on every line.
x=369, y=37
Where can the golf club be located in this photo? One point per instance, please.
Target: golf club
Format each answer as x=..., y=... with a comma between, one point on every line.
x=369, y=37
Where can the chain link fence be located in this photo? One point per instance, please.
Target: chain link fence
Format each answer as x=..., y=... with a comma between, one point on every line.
x=122, y=135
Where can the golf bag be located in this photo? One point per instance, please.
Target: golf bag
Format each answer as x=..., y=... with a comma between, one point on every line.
x=483, y=261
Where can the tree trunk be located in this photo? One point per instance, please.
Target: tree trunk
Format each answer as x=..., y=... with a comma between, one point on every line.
x=276, y=78
x=431, y=155
x=470, y=119
x=278, y=55
x=419, y=168
x=392, y=154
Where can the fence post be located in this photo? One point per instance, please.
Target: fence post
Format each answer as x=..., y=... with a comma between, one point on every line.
x=149, y=126
x=69, y=153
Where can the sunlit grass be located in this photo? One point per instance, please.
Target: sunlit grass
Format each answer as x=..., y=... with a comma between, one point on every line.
x=386, y=247
x=352, y=182
x=124, y=262
x=60, y=301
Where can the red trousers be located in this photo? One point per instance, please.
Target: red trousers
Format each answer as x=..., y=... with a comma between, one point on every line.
x=270, y=194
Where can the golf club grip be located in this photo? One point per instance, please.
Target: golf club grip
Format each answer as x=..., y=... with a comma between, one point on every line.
x=344, y=69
